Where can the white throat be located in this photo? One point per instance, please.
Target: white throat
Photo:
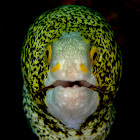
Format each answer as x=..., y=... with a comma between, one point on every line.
x=72, y=105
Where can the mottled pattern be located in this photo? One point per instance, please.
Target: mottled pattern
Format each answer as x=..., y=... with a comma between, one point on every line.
x=97, y=32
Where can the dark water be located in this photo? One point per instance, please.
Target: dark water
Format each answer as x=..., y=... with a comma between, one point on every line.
x=15, y=21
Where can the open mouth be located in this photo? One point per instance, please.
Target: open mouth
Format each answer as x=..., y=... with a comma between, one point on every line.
x=81, y=83
x=65, y=84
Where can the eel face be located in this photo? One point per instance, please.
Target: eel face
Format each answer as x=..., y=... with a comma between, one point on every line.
x=71, y=67
x=71, y=101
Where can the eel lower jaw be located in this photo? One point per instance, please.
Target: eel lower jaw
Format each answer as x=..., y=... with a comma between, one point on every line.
x=78, y=84
x=72, y=101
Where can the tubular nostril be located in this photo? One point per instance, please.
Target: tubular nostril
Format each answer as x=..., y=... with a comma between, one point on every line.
x=55, y=68
x=83, y=68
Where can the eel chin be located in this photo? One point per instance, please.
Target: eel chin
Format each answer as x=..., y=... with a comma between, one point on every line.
x=72, y=102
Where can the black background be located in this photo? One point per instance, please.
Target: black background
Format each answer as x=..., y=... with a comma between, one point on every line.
x=14, y=23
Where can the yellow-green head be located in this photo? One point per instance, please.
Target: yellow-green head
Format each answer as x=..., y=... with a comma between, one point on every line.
x=71, y=67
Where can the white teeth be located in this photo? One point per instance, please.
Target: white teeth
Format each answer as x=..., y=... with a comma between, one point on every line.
x=57, y=81
x=82, y=83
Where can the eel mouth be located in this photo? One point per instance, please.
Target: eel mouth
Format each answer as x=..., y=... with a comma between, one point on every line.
x=78, y=84
x=72, y=101
x=71, y=84
x=65, y=84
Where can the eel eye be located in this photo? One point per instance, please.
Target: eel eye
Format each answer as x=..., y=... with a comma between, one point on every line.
x=93, y=55
x=48, y=53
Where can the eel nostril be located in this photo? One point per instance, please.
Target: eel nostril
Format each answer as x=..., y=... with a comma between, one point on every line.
x=55, y=68
x=83, y=68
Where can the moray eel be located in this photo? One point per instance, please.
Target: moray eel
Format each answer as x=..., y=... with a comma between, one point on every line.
x=71, y=67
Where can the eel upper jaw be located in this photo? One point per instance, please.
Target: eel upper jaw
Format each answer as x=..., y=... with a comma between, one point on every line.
x=78, y=83
x=85, y=81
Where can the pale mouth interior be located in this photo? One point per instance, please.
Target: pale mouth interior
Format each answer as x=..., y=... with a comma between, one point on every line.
x=81, y=83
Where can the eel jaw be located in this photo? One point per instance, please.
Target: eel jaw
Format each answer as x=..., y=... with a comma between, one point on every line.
x=80, y=83
x=72, y=102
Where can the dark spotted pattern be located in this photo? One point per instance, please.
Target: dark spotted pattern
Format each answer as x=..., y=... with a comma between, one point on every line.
x=48, y=28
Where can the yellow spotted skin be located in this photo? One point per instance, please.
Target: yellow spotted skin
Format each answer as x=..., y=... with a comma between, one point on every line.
x=95, y=30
